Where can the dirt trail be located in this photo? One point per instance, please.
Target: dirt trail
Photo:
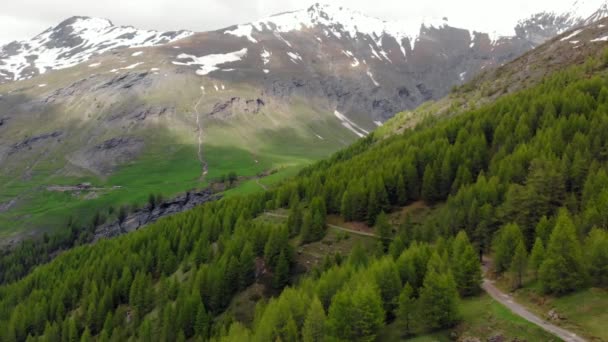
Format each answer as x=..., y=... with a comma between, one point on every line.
x=330, y=225
x=520, y=310
x=496, y=294
x=199, y=130
x=257, y=181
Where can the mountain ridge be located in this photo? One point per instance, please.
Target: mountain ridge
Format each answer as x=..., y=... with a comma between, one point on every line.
x=57, y=48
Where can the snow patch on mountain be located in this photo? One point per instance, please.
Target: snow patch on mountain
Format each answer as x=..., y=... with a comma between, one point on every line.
x=211, y=63
x=294, y=56
x=573, y=34
x=129, y=67
x=243, y=31
x=350, y=125
x=371, y=76
x=600, y=39
x=265, y=56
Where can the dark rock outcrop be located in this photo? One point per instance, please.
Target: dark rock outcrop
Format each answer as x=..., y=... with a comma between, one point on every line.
x=144, y=216
x=31, y=141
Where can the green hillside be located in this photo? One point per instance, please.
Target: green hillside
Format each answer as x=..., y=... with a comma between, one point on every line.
x=164, y=158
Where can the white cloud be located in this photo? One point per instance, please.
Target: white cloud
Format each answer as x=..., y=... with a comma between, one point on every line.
x=25, y=18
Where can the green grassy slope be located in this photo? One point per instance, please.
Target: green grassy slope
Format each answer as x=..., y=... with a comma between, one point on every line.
x=278, y=137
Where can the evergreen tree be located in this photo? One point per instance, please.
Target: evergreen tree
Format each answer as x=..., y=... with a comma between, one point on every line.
x=280, y=275
x=358, y=256
x=357, y=314
x=438, y=299
x=72, y=331
x=318, y=211
x=347, y=207
x=145, y=331
x=384, y=230
x=402, y=196
x=537, y=256
x=563, y=268
x=246, y=273
x=306, y=232
x=294, y=220
x=543, y=230
x=314, y=325
x=86, y=336
x=430, y=188
x=388, y=282
x=518, y=264
x=373, y=207
x=504, y=246
x=407, y=307
x=465, y=266
x=596, y=248
x=237, y=333
x=201, y=322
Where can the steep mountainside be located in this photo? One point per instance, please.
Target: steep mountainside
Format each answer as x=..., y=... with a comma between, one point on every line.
x=135, y=112
x=576, y=46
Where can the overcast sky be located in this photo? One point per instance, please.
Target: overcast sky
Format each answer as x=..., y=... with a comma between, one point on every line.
x=21, y=19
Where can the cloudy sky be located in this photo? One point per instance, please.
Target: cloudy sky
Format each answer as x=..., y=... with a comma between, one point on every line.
x=21, y=19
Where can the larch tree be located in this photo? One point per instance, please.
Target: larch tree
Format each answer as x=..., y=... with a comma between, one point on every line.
x=537, y=255
x=314, y=328
x=518, y=265
x=407, y=307
x=438, y=298
x=563, y=269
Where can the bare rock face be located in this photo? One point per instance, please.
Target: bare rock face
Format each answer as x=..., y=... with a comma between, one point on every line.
x=30, y=142
x=144, y=216
x=104, y=157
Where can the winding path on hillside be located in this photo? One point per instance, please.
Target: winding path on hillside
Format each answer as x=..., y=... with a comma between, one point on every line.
x=521, y=311
x=496, y=294
x=330, y=225
x=257, y=181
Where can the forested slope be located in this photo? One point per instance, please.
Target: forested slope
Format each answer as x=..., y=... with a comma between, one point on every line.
x=525, y=174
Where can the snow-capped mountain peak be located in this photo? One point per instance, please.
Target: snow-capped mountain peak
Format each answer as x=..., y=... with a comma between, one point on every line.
x=541, y=26
x=74, y=41
x=600, y=13
x=336, y=21
x=585, y=8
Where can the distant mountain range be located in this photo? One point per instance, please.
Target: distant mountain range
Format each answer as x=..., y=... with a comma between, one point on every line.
x=415, y=61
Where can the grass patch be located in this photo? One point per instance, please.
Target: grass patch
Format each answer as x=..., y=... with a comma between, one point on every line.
x=482, y=317
x=584, y=312
x=43, y=210
x=335, y=241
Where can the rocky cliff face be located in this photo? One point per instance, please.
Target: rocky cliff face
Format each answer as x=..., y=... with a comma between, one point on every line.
x=144, y=216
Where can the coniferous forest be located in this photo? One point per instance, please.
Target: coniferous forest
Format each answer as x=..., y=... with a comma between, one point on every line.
x=523, y=180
